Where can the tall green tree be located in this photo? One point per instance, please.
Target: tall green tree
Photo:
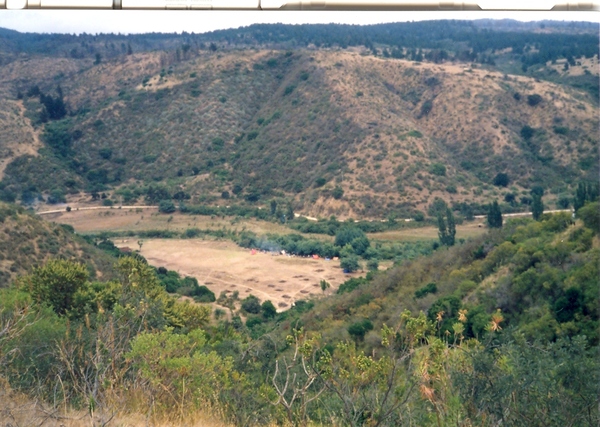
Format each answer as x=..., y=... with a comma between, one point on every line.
x=289, y=212
x=494, y=217
x=580, y=196
x=537, y=206
x=345, y=235
x=268, y=310
x=447, y=228
x=585, y=193
x=590, y=215
x=349, y=263
x=56, y=283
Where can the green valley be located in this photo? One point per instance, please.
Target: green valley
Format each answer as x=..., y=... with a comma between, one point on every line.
x=311, y=225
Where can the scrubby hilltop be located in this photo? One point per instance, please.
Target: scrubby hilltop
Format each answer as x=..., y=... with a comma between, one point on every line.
x=350, y=130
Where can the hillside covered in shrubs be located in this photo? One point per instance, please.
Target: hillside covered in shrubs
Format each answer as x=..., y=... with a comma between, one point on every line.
x=500, y=328
x=378, y=121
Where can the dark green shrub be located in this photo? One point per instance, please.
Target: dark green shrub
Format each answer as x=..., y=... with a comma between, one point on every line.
x=563, y=202
x=166, y=206
x=56, y=196
x=501, y=180
x=430, y=288
x=346, y=235
x=373, y=264
x=302, y=306
x=351, y=284
x=426, y=107
x=105, y=153
x=527, y=132
x=268, y=310
x=337, y=192
x=359, y=329
x=561, y=130
x=253, y=321
x=349, y=264
x=437, y=169
x=251, y=304
x=203, y=294
x=590, y=215
x=534, y=99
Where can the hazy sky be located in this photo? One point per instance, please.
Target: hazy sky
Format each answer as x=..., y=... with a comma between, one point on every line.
x=128, y=21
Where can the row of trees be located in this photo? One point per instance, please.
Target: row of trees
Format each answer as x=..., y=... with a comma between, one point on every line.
x=584, y=193
x=477, y=43
x=350, y=244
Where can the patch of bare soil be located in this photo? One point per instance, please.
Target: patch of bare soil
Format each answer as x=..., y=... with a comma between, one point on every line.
x=223, y=266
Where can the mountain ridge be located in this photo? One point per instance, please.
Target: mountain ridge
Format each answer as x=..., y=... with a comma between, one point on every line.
x=334, y=131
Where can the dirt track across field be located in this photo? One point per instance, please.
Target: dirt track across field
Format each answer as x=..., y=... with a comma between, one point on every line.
x=223, y=266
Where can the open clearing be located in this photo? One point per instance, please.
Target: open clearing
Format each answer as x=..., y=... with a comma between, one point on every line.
x=463, y=231
x=137, y=219
x=116, y=219
x=223, y=266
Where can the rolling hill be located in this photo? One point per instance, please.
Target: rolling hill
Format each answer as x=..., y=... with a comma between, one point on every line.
x=350, y=130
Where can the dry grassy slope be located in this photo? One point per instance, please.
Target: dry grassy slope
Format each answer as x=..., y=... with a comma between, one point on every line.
x=42, y=70
x=27, y=241
x=17, y=136
x=22, y=410
x=169, y=122
x=474, y=118
x=352, y=119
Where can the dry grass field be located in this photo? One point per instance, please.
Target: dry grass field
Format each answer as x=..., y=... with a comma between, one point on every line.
x=463, y=231
x=137, y=219
x=223, y=266
x=17, y=409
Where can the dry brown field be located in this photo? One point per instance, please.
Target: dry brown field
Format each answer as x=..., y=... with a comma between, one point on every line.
x=222, y=265
x=101, y=219
x=463, y=231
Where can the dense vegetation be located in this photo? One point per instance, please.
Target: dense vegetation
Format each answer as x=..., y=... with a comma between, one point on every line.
x=26, y=241
x=502, y=328
x=336, y=121
x=477, y=40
